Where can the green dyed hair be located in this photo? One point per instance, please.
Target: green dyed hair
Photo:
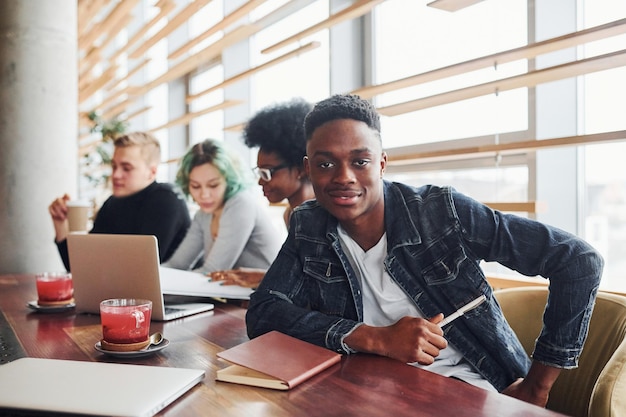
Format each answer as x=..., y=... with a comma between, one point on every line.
x=212, y=152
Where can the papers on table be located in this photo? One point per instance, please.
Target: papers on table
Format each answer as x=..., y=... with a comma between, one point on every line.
x=180, y=282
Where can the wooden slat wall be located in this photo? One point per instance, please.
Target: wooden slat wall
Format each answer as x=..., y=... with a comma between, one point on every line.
x=305, y=48
x=95, y=34
x=521, y=207
x=97, y=29
x=185, y=119
x=359, y=8
x=498, y=282
x=219, y=26
x=171, y=25
x=165, y=8
x=507, y=148
x=530, y=51
x=452, y=5
x=529, y=79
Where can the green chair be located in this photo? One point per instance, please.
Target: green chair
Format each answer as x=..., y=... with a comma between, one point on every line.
x=597, y=388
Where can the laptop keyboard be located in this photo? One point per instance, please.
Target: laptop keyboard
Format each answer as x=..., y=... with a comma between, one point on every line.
x=171, y=310
x=10, y=347
x=10, y=350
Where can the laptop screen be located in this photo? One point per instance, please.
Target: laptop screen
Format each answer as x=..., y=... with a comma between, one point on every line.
x=119, y=266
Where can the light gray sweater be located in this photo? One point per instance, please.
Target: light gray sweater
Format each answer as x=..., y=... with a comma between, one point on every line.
x=246, y=238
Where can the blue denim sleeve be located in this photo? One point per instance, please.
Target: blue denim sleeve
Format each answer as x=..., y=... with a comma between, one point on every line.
x=282, y=300
x=532, y=248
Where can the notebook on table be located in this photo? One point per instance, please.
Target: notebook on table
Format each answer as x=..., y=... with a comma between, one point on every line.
x=121, y=266
x=275, y=360
x=91, y=388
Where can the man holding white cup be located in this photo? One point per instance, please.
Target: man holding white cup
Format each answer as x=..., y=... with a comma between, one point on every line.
x=78, y=215
x=138, y=204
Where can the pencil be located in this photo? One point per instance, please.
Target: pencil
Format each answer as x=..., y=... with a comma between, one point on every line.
x=467, y=307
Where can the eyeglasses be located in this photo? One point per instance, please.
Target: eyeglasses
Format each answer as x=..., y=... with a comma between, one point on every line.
x=266, y=173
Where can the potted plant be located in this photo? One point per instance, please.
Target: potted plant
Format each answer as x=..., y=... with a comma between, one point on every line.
x=95, y=163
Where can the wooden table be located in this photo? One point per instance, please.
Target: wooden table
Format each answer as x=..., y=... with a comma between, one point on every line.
x=362, y=385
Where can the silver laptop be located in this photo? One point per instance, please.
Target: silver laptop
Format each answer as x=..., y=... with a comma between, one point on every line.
x=121, y=266
x=91, y=388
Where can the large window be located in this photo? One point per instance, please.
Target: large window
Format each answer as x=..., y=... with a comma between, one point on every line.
x=306, y=75
x=508, y=183
x=210, y=125
x=602, y=105
x=411, y=39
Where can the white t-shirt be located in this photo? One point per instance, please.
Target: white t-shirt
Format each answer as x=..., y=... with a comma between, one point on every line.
x=384, y=303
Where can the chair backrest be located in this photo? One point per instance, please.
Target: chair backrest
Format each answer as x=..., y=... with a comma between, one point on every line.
x=597, y=387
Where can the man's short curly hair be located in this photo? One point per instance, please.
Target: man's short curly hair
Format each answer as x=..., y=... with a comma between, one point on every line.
x=341, y=106
x=279, y=128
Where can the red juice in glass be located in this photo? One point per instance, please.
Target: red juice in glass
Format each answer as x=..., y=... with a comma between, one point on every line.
x=125, y=320
x=54, y=286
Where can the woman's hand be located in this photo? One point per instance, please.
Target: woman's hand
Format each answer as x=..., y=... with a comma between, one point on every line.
x=244, y=277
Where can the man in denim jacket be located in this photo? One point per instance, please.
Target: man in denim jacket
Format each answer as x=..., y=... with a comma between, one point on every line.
x=374, y=266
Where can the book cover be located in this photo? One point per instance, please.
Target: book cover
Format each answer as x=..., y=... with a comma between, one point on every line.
x=275, y=360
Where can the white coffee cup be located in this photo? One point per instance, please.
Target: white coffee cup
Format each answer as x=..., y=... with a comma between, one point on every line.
x=78, y=213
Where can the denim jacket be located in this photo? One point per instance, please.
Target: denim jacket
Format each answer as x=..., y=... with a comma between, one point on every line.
x=436, y=238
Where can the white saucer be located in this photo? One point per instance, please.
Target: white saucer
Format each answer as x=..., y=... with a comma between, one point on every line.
x=135, y=353
x=50, y=309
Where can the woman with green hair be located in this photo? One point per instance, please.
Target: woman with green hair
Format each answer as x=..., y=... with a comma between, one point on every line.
x=231, y=229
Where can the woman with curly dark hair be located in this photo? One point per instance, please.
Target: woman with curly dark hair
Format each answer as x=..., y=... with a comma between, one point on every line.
x=278, y=132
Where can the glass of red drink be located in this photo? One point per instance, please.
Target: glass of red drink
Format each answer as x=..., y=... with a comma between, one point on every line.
x=54, y=288
x=125, y=323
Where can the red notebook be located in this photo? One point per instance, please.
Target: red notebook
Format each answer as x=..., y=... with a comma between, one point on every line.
x=275, y=360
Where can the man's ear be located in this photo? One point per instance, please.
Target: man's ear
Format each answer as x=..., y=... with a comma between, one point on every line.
x=383, y=163
x=301, y=173
x=307, y=168
x=153, y=171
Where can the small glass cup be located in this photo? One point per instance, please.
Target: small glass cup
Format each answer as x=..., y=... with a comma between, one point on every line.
x=54, y=288
x=125, y=324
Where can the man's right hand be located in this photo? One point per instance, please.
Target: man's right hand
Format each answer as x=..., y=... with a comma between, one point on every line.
x=409, y=340
x=58, y=212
